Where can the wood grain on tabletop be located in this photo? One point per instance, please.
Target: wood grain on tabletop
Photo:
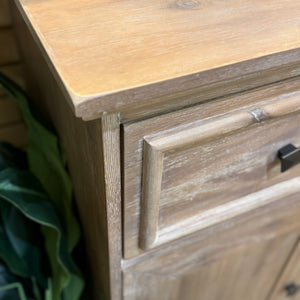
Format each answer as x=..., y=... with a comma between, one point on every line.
x=93, y=157
x=249, y=251
x=255, y=166
x=100, y=48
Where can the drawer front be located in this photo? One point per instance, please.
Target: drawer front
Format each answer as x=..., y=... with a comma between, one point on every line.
x=219, y=161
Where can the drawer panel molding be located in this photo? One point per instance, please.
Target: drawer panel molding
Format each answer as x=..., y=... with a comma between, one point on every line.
x=156, y=148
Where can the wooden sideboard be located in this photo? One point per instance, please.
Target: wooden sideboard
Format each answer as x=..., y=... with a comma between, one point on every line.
x=172, y=114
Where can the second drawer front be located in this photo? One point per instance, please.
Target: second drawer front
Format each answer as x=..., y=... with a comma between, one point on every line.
x=207, y=171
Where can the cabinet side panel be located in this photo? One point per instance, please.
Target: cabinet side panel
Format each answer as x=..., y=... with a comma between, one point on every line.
x=87, y=146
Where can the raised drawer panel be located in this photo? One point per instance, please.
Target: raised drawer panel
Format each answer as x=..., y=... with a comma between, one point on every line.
x=193, y=175
x=217, y=162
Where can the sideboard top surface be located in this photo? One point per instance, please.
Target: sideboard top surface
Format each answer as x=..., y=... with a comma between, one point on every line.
x=101, y=48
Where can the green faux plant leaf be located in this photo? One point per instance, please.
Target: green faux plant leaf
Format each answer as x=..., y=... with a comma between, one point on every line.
x=13, y=287
x=14, y=290
x=22, y=191
x=21, y=240
x=46, y=162
x=48, y=291
x=61, y=232
x=14, y=262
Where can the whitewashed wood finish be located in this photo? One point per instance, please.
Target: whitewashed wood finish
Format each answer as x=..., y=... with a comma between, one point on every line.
x=276, y=219
x=290, y=274
x=246, y=274
x=220, y=125
x=218, y=214
x=151, y=182
x=242, y=77
x=183, y=167
x=112, y=54
x=157, y=148
x=239, y=259
x=93, y=148
x=112, y=184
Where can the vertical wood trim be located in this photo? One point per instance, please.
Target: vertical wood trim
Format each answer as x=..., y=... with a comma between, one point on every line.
x=112, y=175
x=151, y=187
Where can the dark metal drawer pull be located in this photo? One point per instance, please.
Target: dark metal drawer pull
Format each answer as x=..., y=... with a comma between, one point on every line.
x=289, y=156
x=291, y=289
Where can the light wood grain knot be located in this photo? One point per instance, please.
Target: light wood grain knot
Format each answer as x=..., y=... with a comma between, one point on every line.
x=187, y=4
x=196, y=4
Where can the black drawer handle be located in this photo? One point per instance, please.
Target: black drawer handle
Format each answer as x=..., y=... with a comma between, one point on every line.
x=289, y=156
x=291, y=289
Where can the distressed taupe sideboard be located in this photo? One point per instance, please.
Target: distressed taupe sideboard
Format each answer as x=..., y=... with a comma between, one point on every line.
x=172, y=114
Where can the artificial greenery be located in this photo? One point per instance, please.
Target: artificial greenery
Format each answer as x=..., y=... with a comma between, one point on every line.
x=38, y=230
